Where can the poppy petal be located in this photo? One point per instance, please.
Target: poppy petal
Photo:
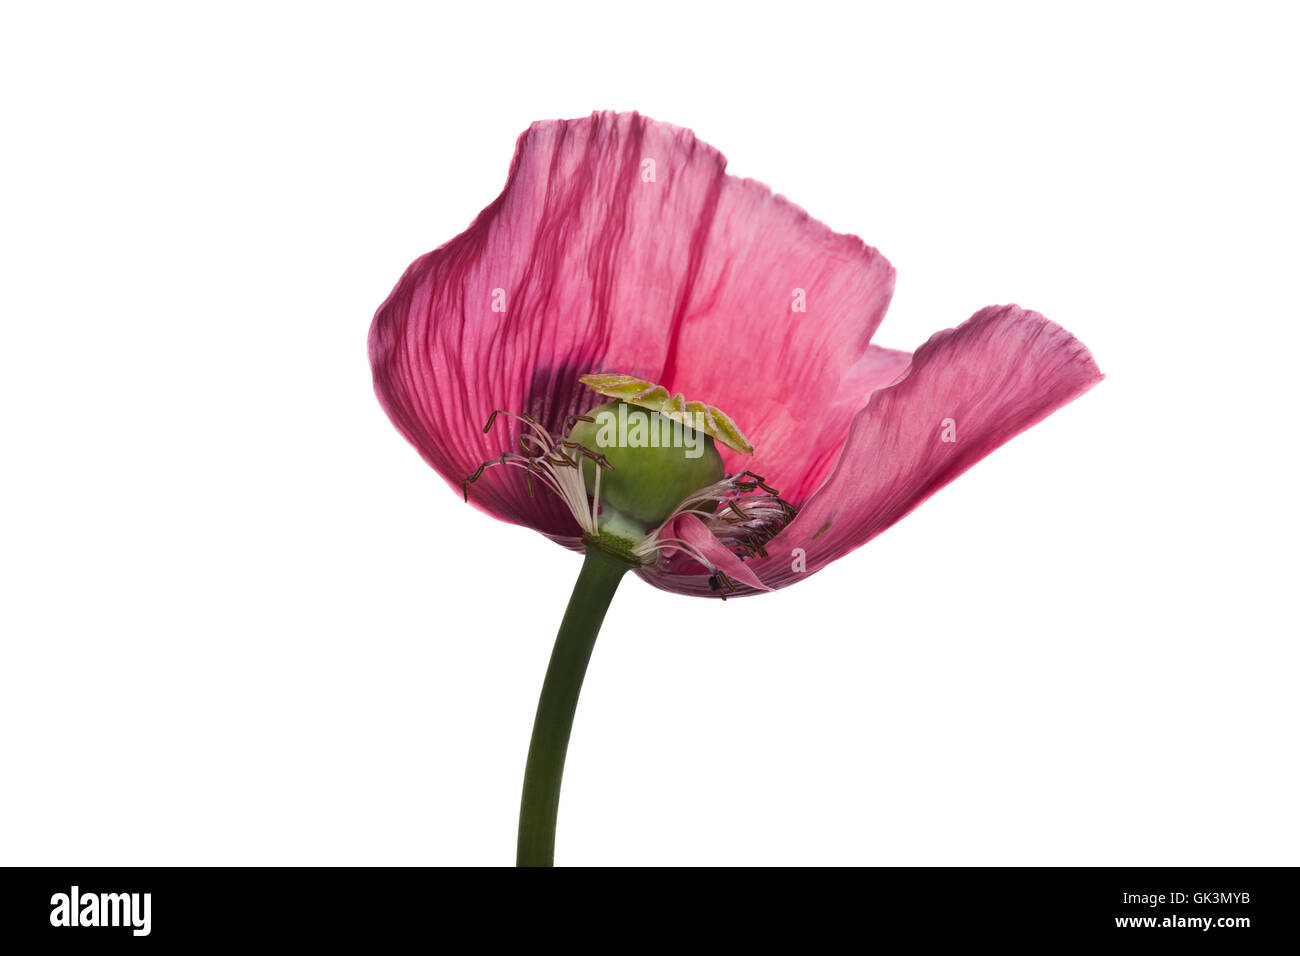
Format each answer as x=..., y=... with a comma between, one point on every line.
x=620, y=244
x=968, y=391
x=693, y=531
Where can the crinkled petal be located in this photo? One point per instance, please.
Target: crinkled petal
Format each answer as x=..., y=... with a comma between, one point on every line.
x=983, y=383
x=821, y=444
x=620, y=244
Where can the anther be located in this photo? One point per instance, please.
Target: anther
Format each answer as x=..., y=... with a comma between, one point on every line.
x=734, y=505
x=759, y=481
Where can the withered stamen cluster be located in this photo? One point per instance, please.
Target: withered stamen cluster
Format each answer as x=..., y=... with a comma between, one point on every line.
x=742, y=511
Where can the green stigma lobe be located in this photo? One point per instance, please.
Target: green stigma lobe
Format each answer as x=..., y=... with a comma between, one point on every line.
x=712, y=421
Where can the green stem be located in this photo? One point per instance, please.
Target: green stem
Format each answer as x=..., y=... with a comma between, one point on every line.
x=592, y=593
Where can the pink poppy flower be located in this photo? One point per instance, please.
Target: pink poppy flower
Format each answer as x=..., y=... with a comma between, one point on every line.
x=622, y=262
x=620, y=245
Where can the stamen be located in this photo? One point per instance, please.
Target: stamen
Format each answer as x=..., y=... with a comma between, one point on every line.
x=586, y=452
x=742, y=511
x=758, y=480
x=554, y=462
x=722, y=584
x=694, y=553
x=734, y=505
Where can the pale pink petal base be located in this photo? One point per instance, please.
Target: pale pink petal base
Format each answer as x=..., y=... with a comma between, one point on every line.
x=692, y=530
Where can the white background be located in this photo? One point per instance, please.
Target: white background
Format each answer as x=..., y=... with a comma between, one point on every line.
x=244, y=623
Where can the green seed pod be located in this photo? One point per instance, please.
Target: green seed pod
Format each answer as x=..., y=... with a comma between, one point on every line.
x=657, y=462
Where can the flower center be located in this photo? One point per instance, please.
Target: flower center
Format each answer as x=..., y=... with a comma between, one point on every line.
x=630, y=467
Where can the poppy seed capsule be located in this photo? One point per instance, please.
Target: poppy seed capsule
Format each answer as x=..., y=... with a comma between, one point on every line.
x=657, y=462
